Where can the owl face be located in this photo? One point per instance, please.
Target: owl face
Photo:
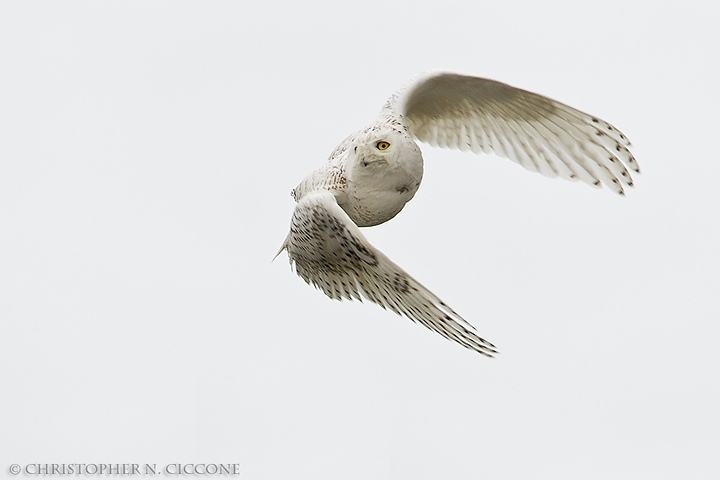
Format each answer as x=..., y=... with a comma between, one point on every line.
x=383, y=148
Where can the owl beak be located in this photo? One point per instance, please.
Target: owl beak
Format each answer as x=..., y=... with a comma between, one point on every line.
x=373, y=159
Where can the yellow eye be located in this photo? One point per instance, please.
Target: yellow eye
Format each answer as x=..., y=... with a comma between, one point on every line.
x=382, y=145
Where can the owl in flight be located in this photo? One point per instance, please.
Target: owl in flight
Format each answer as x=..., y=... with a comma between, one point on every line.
x=374, y=172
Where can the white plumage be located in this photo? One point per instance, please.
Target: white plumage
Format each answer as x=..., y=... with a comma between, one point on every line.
x=373, y=173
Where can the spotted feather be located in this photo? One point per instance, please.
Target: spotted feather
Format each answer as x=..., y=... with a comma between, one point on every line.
x=329, y=251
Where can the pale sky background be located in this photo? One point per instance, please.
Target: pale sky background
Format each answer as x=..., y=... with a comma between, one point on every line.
x=147, y=152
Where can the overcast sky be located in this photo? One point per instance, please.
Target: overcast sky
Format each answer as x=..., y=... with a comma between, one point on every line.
x=147, y=153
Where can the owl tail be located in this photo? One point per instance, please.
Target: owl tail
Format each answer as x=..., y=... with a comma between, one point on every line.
x=282, y=247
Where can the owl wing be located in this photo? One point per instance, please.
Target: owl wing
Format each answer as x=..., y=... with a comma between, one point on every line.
x=329, y=252
x=543, y=135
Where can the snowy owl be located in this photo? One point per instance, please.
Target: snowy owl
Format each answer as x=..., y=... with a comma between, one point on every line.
x=374, y=172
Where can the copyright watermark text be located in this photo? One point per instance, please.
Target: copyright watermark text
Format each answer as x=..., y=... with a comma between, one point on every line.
x=126, y=469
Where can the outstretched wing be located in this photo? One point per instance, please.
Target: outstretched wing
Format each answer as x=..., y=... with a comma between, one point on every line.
x=543, y=135
x=329, y=252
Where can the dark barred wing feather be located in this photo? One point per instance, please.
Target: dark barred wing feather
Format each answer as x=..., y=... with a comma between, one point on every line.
x=329, y=251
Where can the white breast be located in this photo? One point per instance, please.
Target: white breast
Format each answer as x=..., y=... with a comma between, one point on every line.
x=378, y=187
